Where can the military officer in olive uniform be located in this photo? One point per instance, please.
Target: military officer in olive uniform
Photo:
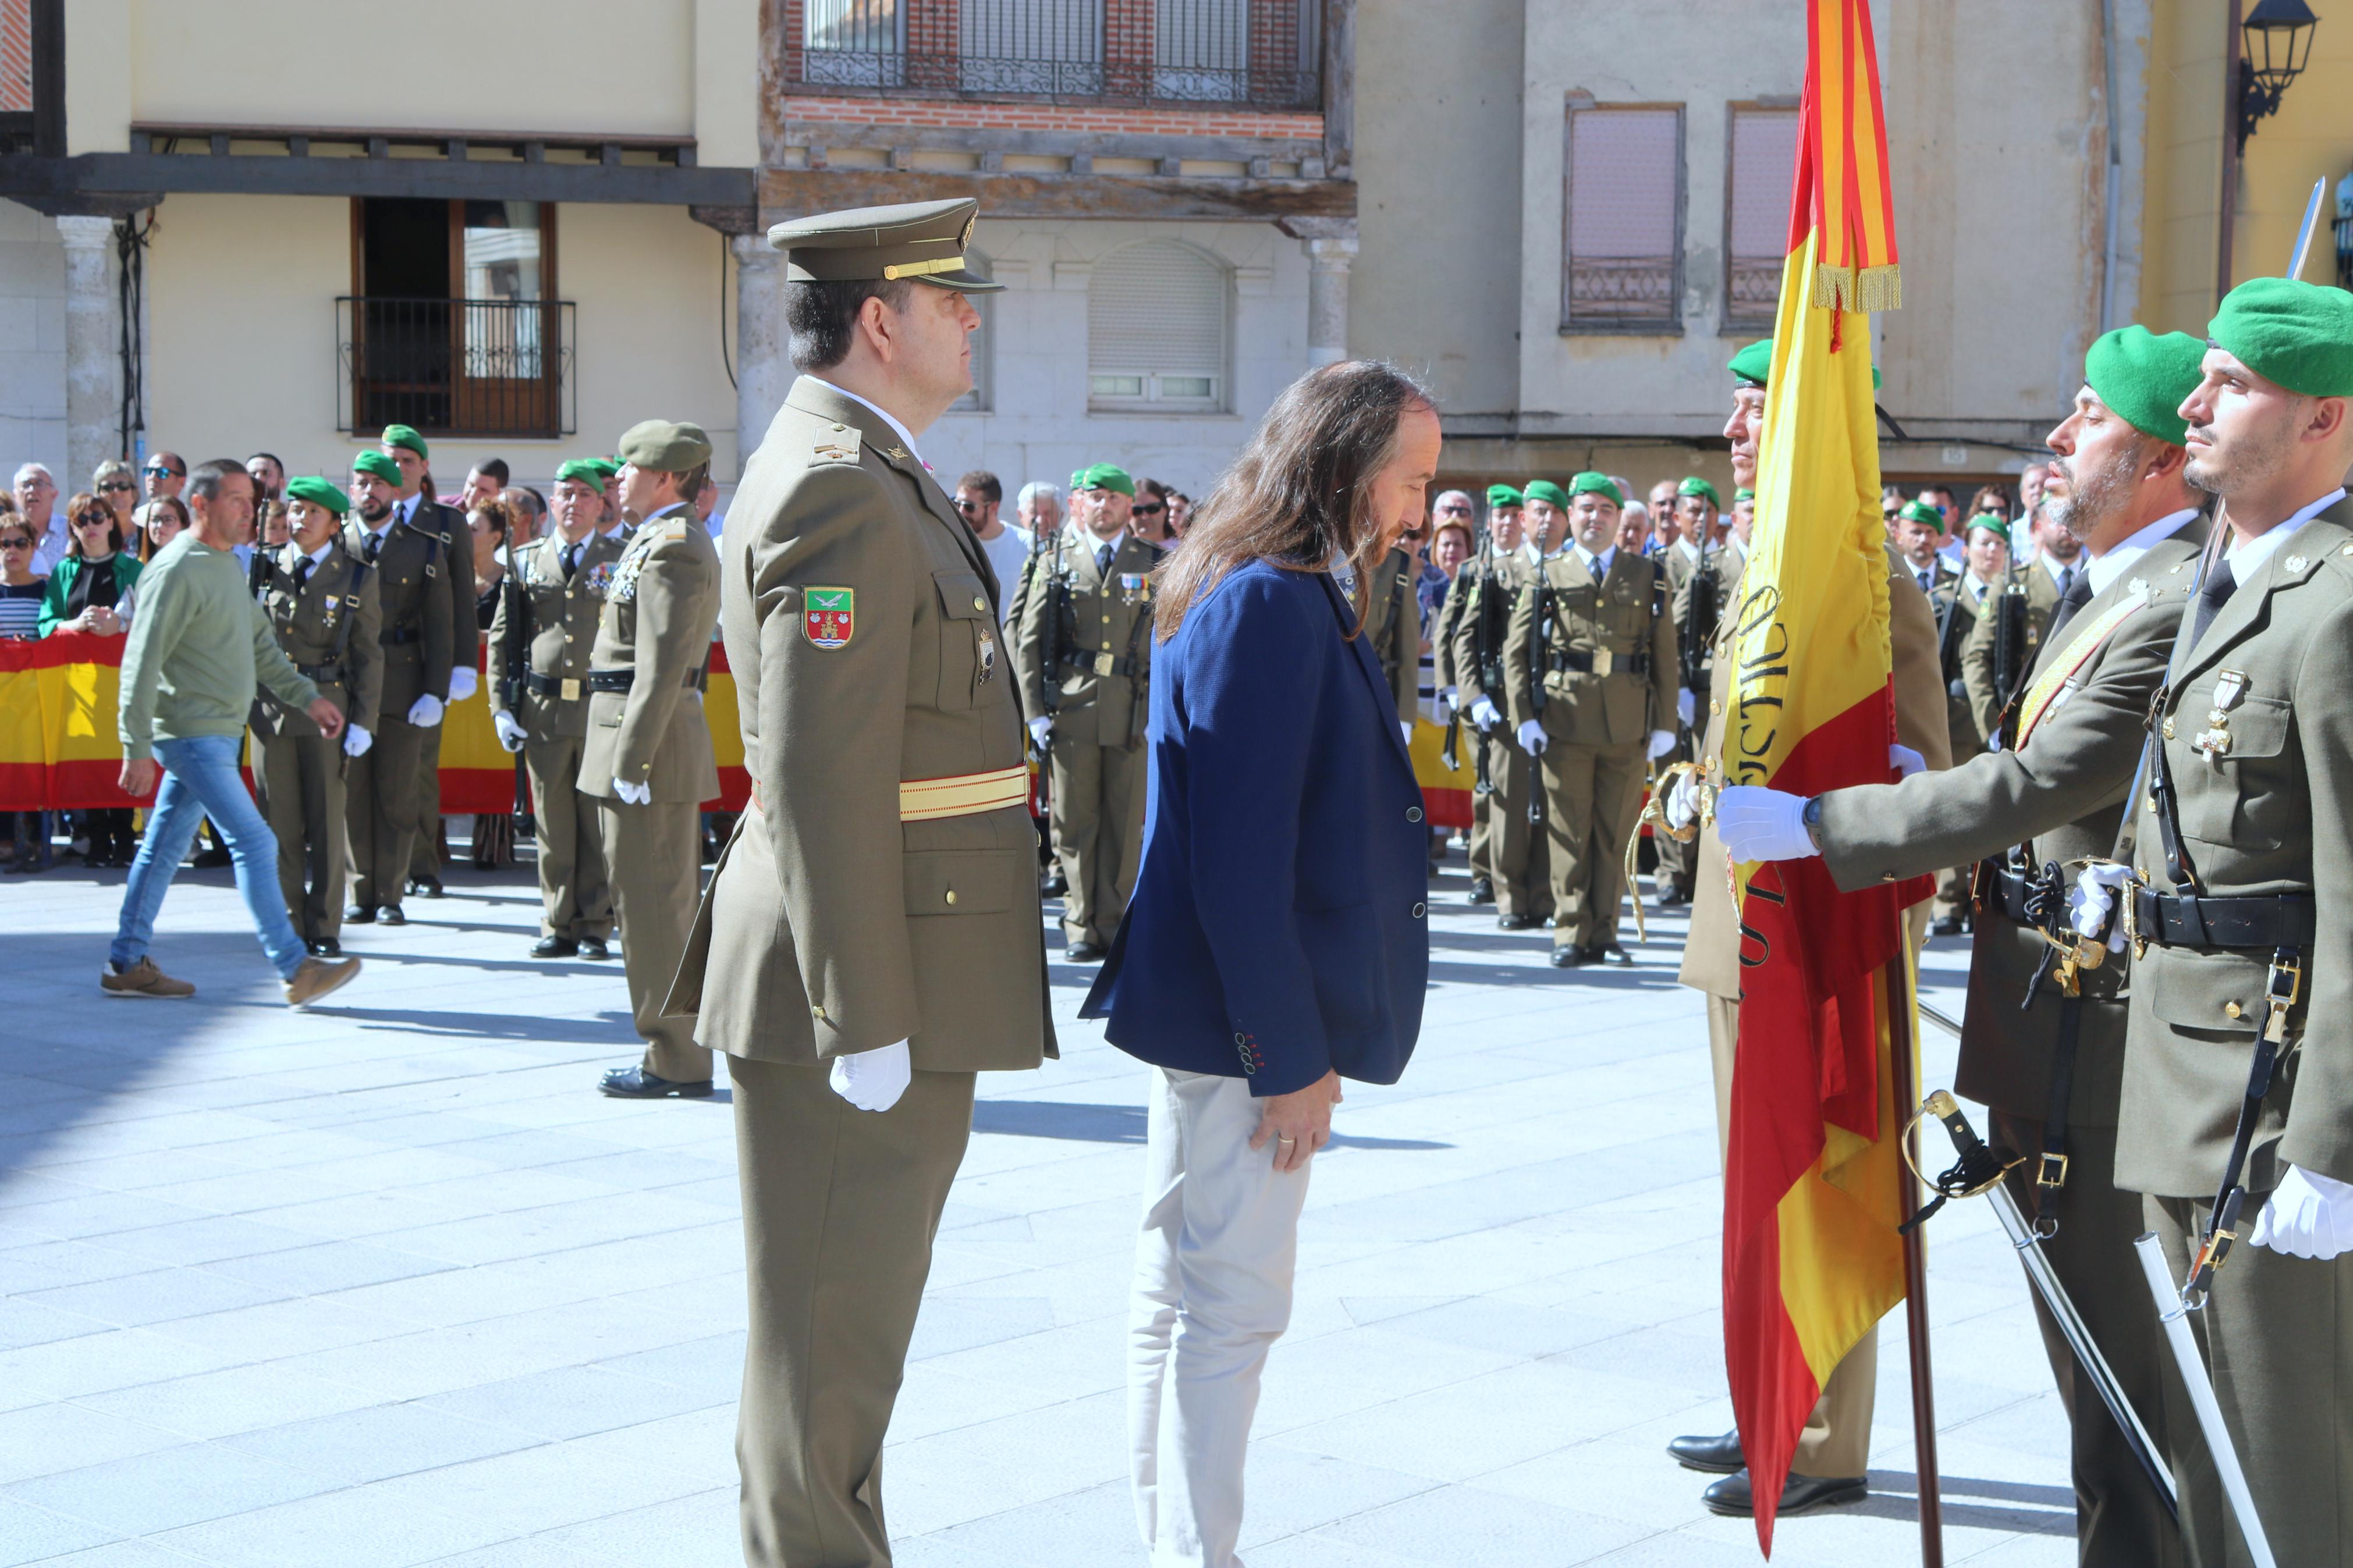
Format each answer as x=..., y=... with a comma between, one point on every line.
x=1393, y=622
x=1699, y=549
x=539, y=704
x=1502, y=537
x=2052, y=1070
x=2243, y=892
x=872, y=937
x=2036, y=586
x=1589, y=669
x=411, y=565
x=1085, y=661
x=1829, y=1465
x=320, y=598
x=647, y=761
x=414, y=505
x=1517, y=858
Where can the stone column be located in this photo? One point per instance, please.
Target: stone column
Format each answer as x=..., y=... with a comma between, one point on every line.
x=1330, y=247
x=93, y=344
x=764, y=368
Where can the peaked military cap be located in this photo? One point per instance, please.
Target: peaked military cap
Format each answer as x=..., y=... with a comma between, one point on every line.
x=665, y=446
x=1503, y=496
x=923, y=240
x=319, y=493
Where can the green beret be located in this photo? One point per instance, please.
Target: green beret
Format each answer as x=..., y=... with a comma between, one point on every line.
x=665, y=446
x=1503, y=496
x=378, y=464
x=1591, y=483
x=1921, y=512
x=1742, y=494
x=404, y=436
x=1991, y=521
x=2143, y=378
x=587, y=470
x=1104, y=477
x=1754, y=364
x=319, y=493
x=608, y=469
x=1695, y=486
x=2299, y=335
x=1547, y=493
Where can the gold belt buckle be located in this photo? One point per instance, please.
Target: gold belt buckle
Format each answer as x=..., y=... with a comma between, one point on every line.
x=2281, y=999
x=1604, y=662
x=571, y=689
x=1103, y=663
x=2130, y=891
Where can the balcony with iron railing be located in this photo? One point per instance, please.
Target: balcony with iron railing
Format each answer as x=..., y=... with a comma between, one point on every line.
x=490, y=368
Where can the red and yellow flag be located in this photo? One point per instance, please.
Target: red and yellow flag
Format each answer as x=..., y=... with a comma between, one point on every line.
x=1811, y=1257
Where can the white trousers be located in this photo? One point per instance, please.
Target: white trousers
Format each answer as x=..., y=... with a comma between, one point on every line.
x=1213, y=1273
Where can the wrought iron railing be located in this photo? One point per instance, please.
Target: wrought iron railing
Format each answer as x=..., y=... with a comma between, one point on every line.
x=1621, y=290
x=1753, y=292
x=462, y=367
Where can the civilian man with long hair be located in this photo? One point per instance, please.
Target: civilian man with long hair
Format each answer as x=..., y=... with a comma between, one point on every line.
x=1278, y=939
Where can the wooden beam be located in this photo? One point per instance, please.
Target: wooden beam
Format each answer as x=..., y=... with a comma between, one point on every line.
x=108, y=177
x=788, y=193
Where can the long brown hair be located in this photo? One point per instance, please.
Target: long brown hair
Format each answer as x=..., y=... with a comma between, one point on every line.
x=1300, y=491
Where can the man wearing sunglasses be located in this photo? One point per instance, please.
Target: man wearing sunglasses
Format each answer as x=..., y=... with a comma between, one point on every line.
x=166, y=473
x=979, y=496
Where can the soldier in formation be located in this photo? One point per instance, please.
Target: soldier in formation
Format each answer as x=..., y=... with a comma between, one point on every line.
x=1518, y=537
x=1453, y=650
x=2005, y=642
x=414, y=507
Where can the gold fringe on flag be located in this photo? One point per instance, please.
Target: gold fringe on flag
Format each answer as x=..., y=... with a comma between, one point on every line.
x=1839, y=288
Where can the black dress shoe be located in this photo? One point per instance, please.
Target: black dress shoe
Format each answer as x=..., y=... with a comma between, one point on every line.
x=636, y=1083
x=360, y=915
x=1054, y=887
x=1673, y=899
x=1482, y=890
x=391, y=916
x=1552, y=922
x=594, y=947
x=1948, y=926
x=1717, y=1456
x=1085, y=952
x=555, y=947
x=1801, y=1494
x=1607, y=952
x=1515, y=922
x=1567, y=957
x=430, y=887
x=326, y=947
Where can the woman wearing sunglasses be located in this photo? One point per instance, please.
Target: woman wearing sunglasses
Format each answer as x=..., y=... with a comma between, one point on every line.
x=116, y=483
x=88, y=592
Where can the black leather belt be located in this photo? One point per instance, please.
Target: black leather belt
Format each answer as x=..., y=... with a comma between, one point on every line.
x=1584, y=661
x=399, y=635
x=1101, y=663
x=554, y=685
x=321, y=674
x=2287, y=920
x=622, y=679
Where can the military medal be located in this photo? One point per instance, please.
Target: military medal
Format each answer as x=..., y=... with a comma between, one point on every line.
x=2213, y=742
x=829, y=616
x=987, y=657
x=1132, y=587
x=600, y=577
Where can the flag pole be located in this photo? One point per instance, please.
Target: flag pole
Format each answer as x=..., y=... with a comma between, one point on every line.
x=1915, y=1263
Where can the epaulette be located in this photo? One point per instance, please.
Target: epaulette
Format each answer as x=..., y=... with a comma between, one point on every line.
x=835, y=443
x=676, y=529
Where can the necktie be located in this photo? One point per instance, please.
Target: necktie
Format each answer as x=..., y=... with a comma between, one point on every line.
x=2211, y=599
x=1928, y=582
x=1102, y=562
x=2078, y=594
x=375, y=542
x=302, y=573
x=570, y=561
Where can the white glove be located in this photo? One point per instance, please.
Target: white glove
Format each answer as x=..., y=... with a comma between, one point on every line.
x=463, y=683
x=1758, y=823
x=1485, y=715
x=1960, y=688
x=1453, y=698
x=1040, y=728
x=511, y=735
x=1906, y=761
x=2309, y=1215
x=1532, y=737
x=1686, y=706
x=1407, y=725
x=871, y=1080
x=356, y=741
x=1683, y=801
x=425, y=711
x=2089, y=901
x=1662, y=742
x=635, y=793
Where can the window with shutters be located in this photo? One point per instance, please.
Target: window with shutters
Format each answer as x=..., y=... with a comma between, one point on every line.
x=1157, y=331
x=1030, y=46
x=1623, y=230
x=977, y=401
x=1760, y=162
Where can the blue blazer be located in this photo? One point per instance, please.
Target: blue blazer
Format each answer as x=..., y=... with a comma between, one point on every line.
x=1279, y=927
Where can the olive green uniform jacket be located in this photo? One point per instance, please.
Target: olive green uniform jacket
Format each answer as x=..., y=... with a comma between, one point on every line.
x=1957, y=619
x=1098, y=694
x=336, y=610
x=566, y=618
x=1622, y=617
x=414, y=613
x=2032, y=582
x=658, y=611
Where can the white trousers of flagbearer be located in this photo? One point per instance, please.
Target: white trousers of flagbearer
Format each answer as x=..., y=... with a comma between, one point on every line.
x=1213, y=1274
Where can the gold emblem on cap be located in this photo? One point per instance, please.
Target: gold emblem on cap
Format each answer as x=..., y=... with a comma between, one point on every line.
x=922, y=268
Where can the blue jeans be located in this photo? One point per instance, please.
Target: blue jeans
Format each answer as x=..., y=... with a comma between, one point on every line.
x=200, y=780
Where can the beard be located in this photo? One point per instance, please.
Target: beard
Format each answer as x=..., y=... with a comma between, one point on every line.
x=2087, y=500
x=375, y=510
x=2247, y=462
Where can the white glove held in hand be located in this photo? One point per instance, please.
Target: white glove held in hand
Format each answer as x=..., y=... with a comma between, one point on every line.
x=1757, y=823
x=1683, y=801
x=463, y=683
x=1532, y=737
x=871, y=1080
x=1453, y=698
x=635, y=793
x=2309, y=1215
x=1483, y=713
x=356, y=741
x=1686, y=705
x=509, y=732
x=1407, y=725
x=1040, y=728
x=1906, y=761
x=425, y=711
x=1662, y=742
x=2089, y=901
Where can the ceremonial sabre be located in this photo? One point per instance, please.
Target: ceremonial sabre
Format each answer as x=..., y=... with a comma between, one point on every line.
x=2311, y=222
x=2175, y=1317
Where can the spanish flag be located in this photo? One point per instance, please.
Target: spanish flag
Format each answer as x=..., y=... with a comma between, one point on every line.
x=1811, y=1257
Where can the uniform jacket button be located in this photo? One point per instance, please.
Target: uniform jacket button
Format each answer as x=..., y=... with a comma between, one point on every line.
x=1419, y=910
x=1413, y=813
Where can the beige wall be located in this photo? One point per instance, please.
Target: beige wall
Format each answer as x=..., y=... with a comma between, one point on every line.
x=241, y=293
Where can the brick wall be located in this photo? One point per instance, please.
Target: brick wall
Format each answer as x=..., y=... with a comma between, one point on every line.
x=15, y=56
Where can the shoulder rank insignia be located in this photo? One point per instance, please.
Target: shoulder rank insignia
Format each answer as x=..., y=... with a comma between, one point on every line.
x=896, y=453
x=838, y=444
x=829, y=616
x=2295, y=564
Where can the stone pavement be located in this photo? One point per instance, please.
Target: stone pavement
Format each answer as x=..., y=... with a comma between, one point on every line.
x=389, y=1283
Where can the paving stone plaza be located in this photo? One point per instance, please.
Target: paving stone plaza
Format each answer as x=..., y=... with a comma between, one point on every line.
x=388, y=1283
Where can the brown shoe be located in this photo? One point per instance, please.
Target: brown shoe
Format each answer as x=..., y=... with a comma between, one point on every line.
x=142, y=979
x=317, y=977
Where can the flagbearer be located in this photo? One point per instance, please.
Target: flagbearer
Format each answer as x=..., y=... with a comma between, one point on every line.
x=1830, y=1463
x=1521, y=536
x=2051, y=1064
x=647, y=760
x=540, y=642
x=1590, y=667
x=321, y=599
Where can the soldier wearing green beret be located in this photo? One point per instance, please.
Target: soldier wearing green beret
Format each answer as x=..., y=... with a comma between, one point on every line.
x=872, y=939
x=414, y=506
x=1521, y=527
x=1084, y=656
x=1591, y=671
x=1962, y=602
x=411, y=563
x=1501, y=539
x=2004, y=644
x=645, y=760
x=1700, y=552
x=540, y=643
x=321, y=599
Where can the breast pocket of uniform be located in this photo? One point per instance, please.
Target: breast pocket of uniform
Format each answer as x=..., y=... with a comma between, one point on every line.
x=971, y=649
x=2240, y=749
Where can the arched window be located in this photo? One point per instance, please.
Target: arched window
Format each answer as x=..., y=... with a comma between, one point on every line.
x=1157, y=330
